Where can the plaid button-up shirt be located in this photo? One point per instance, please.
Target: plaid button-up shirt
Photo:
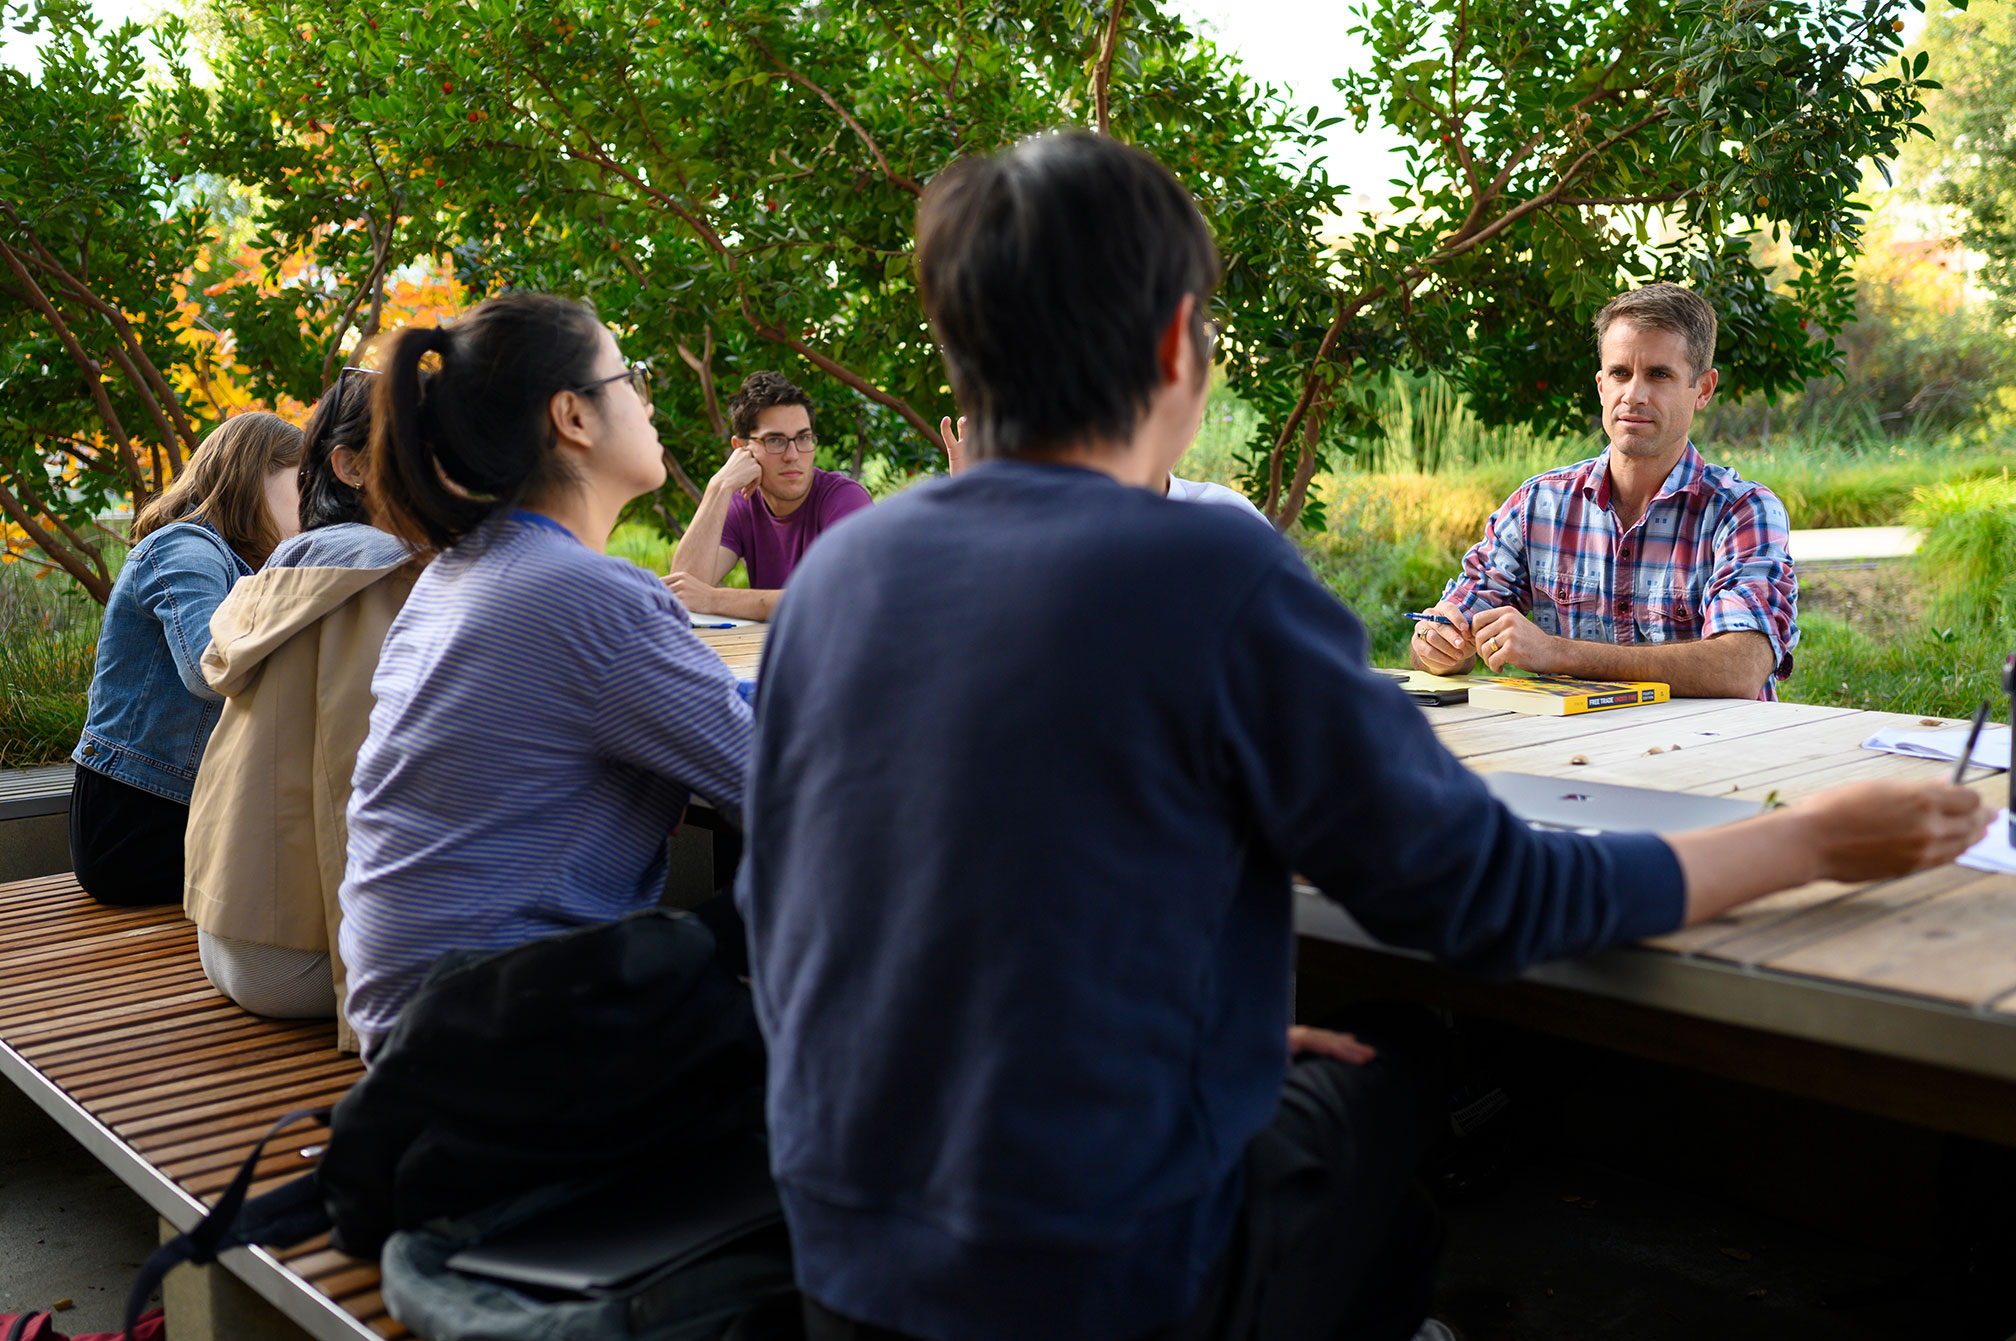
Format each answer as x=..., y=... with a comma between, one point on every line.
x=1711, y=555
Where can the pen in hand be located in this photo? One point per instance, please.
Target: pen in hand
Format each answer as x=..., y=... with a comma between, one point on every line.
x=1973, y=735
x=1433, y=619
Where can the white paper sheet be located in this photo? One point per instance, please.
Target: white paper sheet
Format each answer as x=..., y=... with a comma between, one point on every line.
x=718, y=621
x=1993, y=853
x=1991, y=751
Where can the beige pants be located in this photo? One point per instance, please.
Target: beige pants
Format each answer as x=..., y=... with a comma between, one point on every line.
x=269, y=979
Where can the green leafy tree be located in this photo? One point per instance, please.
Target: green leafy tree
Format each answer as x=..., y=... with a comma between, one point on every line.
x=1974, y=166
x=732, y=184
x=1556, y=152
x=94, y=241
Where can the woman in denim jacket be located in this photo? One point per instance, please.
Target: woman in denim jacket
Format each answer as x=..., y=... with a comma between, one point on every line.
x=151, y=710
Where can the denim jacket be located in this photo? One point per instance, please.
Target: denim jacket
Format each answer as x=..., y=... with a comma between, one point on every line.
x=151, y=709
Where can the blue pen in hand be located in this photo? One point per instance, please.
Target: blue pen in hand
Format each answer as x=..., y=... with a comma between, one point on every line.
x=1432, y=619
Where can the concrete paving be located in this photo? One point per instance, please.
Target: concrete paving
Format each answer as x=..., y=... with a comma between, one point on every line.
x=68, y=1229
x=1850, y=544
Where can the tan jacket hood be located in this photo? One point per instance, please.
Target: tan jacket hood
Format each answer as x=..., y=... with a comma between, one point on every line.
x=293, y=651
x=266, y=609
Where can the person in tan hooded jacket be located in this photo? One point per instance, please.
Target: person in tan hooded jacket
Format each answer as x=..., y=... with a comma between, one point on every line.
x=293, y=651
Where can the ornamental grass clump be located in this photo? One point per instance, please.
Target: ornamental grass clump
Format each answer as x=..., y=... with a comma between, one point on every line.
x=1968, y=556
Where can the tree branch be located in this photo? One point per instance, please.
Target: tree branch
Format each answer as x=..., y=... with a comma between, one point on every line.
x=1102, y=74
x=703, y=364
x=839, y=372
x=373, y=281
x=92, y=577
x=1594, y=96
x=1458, y=244
x=93, y=374
x=895, y=178
x=155, y=393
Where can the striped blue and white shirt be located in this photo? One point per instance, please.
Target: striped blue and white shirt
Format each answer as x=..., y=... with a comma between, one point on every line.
x=542, y=713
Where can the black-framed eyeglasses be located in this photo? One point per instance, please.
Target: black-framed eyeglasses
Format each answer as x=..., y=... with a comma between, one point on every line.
x=777, y=443
x=637, y=374
x=1213, y=328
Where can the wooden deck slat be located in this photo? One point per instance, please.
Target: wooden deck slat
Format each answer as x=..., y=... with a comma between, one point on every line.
x=1470, y=741
x=195, y=1171
x=218, y=1028
x=1953, y=946
x=112, y=1005
x=171, y=1063
x=186, y=1055
x=208, y=1116
x=56, y=1026
x=1801, y=917
x=171, y=1147
x=124, y=1096
x=162, y=980
x=1710, y=746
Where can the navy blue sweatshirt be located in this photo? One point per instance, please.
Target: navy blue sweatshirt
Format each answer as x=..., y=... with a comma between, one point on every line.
x=1035, y=756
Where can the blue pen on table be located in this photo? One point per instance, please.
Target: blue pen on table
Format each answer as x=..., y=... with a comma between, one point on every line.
x=713, y=626
x=1973, y=736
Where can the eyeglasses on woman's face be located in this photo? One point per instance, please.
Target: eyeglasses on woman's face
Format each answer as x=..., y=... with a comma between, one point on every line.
x=636, y=374
x=777, y=443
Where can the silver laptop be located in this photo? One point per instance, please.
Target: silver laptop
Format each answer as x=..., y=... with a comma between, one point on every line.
x=1606, y=807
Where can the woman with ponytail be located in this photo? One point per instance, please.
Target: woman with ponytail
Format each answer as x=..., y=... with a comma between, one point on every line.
x=151, y=711
x=543, y=711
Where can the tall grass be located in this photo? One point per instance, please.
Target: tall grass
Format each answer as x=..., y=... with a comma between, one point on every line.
x=1824, y=479
x=1968, y=555
x=1931, y=671
x=48, y=647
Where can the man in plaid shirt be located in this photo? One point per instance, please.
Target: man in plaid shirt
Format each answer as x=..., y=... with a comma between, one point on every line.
x=1645, y=563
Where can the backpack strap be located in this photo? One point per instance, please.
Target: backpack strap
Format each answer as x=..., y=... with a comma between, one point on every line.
x=286, y=1215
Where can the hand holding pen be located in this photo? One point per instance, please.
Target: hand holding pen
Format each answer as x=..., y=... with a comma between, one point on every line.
x=1441, y=641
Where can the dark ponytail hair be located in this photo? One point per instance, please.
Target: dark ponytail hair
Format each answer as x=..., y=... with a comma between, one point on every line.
x=342, y=418
x=452, y=445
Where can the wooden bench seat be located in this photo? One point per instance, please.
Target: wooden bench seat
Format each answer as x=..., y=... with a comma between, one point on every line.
x=28, y=792
x=108, y=1024
x=35, y=820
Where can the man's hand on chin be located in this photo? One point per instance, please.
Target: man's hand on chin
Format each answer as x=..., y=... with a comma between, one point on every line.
x=1506, y=637
x=698, y=597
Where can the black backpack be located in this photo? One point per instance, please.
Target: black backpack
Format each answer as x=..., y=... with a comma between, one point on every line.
x=609, y=1053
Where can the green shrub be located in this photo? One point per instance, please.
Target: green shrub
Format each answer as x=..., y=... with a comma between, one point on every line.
x=1968, y=556
x=1930, y=672
x=642, y=544
x=48, y=648
x=651, y=549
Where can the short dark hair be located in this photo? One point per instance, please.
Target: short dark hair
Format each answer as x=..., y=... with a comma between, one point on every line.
x=453, y=445
x=1048, y=271
x=1667, y=307
x=342, y=418
x=762, y=391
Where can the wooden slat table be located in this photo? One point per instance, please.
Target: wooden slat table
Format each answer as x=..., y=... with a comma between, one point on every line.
x=741, y=647
x=1897, y=996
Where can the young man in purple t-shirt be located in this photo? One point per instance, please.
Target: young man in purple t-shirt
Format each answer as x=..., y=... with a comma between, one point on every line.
x=764, y=508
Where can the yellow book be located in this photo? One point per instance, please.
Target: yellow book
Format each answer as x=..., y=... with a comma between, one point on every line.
x=1560, y=696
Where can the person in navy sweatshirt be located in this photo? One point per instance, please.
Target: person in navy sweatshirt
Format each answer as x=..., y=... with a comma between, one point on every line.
x=1037, y=750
